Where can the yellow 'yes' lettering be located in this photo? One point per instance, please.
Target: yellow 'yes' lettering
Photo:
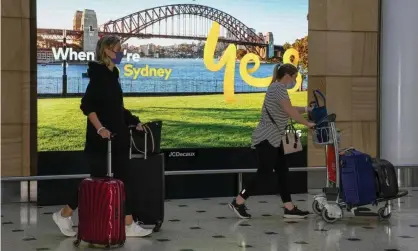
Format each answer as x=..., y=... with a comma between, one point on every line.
x=228, y=60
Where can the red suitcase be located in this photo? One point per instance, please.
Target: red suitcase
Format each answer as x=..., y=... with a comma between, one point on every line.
x=101, y=219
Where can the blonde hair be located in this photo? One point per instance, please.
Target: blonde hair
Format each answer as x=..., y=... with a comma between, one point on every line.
x=280, y=71
x=105, y=42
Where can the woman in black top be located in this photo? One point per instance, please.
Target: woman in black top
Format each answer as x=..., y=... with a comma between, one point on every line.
x=103, y=105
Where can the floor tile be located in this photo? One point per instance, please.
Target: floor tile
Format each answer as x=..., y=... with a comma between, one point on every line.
x=209, y=225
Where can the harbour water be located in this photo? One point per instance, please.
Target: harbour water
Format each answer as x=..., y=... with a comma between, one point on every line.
x=187, y=76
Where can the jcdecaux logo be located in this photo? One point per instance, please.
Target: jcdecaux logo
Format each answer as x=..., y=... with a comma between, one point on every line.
x=181, y=154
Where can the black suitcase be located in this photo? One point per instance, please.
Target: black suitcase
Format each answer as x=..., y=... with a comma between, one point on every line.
x=148, y=188
x=387, y=181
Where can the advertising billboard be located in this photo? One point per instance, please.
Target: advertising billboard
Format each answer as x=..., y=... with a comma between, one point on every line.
x=185, y=63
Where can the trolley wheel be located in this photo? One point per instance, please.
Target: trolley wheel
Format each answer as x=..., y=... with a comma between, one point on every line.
x=157, y=227
x=382, y=214
x=108, y=247
x=121, y=244
x=316, y=207
x=326, y=217
x=76, y=243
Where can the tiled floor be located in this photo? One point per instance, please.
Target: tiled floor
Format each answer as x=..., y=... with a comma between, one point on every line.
x=207, y=224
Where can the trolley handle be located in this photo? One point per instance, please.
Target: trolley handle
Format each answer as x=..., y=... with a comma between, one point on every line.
x=329, y=118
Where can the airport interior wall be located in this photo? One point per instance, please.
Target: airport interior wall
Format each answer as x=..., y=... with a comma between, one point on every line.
x=18, y=88
x=343, y=63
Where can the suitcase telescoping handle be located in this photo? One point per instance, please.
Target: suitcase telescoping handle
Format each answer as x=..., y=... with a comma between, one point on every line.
x=109, y=156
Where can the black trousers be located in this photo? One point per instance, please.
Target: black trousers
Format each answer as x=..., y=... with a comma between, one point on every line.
x=269, y=158
x=98, y=169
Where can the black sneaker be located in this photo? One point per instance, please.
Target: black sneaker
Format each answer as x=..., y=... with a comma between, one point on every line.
x=295, y=213
x=239, y=210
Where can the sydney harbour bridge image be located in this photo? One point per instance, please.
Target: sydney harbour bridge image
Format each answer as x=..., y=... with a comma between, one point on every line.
x=176, y=21
x=179, y=21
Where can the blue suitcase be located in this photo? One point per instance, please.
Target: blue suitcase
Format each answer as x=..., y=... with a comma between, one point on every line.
x=357, y=178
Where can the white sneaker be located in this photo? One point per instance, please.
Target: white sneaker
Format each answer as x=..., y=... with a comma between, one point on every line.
x=64, y=224
x=134, y=230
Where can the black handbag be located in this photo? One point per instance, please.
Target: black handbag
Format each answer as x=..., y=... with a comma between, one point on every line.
x=317, y=114
x=148, y=141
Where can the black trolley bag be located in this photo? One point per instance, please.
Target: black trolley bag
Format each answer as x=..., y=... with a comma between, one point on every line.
x=147, y=174
x=387, y=181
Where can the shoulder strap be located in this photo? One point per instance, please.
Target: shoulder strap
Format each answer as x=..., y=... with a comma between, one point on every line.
x=270, y=117
x=292, y=128
x=149, y=131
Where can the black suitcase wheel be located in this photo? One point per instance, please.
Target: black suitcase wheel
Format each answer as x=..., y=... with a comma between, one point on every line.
x=76, y=243
x=158, y=226
x=382, y=214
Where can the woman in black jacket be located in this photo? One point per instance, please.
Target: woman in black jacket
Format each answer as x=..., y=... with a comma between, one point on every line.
x=103, y=105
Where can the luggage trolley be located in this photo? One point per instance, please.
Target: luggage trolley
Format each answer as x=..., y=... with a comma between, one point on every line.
x=329, y=204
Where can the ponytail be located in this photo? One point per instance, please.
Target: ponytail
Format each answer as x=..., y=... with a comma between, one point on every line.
x=282, y=70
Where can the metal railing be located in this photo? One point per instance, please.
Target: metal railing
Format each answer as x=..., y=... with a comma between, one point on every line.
x=166, y=173
x=240, y=172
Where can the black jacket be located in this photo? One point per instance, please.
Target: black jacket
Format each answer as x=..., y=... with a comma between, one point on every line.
x=104, y=97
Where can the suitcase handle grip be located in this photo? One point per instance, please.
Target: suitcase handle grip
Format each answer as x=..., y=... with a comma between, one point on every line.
x=347, y=150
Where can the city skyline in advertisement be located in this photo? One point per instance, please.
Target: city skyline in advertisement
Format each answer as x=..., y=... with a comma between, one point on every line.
x=287, y=22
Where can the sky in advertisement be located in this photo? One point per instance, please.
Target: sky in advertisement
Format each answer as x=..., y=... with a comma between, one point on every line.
x=286, y=19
